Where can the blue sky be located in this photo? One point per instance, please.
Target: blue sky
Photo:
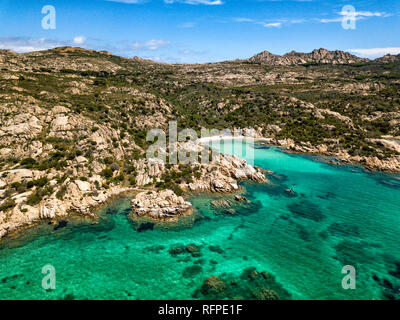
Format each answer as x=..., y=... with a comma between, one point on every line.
x=189, y=31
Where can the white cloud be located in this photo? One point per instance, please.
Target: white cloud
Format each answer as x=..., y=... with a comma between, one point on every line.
x=366, y=14
x=150, y=45
x=79, y=40
x=271, y=24
x=277, y=23
x=20, y=45
x=187, y=25
x=375, y=52
x=243, y=20
x=330, y=20
x=261, y=23
x=196, y=2
x=358, y=15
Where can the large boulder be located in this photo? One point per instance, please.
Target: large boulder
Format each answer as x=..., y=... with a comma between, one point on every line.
x=160, y=205
x=19, y=175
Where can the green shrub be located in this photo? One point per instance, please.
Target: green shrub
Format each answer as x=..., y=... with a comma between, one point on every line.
x=7, y=205
x=60, y=194
x=107, y=173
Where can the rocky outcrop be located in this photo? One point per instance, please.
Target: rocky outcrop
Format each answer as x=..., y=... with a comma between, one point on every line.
x=389, y=58
x=20, y=175
x=389, y=144
x=389, y=164
x=160, y=205
x=80, y=197
x=374, y=163
x=223, y=175
x=148, y=171
x=320, y=56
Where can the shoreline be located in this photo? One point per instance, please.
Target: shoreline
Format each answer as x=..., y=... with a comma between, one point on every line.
x=71, y=212
x=338, y=159
x=113, y=197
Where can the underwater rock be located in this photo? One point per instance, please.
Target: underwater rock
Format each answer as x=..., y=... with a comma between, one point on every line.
x=193, y=250
x=250, y=273
x=190, y=272
x=265, y=294
x=145, y=226
x=389, y=290
x=14, y=277
x=396, y=273
x=290, y=192
x=216, y=249
x=265, y=275
x=306, y=209
x=69, y=296
x=213, y=286
x=250, y=285
x=239, y=198
x=350, y=252
x=230, y=212
x=222, y=203
x=177, y=250
x=343, y=229
x=61, y=224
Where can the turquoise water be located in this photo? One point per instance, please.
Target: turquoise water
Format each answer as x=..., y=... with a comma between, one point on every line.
x=338, y=216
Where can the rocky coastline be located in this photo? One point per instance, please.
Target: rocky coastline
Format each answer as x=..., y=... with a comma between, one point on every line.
x=219, y=177
x=341, y=157
x=55, y=210
x=83, y=197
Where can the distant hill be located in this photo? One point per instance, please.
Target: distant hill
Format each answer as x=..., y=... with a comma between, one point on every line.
x=318, y=56
x=389, y=59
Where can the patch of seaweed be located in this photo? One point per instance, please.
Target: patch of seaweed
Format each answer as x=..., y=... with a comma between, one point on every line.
x=191, y=249
x=249, y=285
x=192, y=271
x=343, y=229
x=307, y=210
x=355, y=253
x=390, y=291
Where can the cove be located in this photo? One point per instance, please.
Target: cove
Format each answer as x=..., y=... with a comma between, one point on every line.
x=294, y=244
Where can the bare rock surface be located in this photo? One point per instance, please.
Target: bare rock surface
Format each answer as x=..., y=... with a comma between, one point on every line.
x=160, y=205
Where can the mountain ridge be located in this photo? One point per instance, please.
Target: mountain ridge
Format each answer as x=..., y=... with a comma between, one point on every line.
x=317, y=56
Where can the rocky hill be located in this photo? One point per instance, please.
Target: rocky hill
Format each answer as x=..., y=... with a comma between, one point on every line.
x=320, y=56
x=389, y=58
x=73, y=122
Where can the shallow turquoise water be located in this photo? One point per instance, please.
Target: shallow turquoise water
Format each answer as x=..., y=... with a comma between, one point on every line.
x=338, y=216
